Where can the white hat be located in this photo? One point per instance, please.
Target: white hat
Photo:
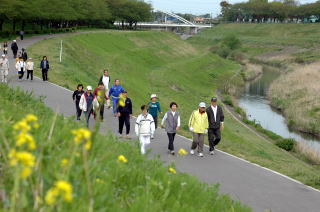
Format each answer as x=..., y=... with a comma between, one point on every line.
x=14, y=40
x=153, y=96
x=89, y=88
x=202, y=104
x=3, y=55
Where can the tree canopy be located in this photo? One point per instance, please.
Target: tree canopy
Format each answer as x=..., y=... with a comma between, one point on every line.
x=65, y=13
x=263, y=9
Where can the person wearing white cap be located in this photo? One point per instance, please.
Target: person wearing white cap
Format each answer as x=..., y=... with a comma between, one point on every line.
x=29, y=66
x=198, y=125
x=154, y=109
x=86, y=103
x=4, y=68
x=14, y=48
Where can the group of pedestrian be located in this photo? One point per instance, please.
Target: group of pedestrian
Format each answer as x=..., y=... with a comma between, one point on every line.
x=202, y=121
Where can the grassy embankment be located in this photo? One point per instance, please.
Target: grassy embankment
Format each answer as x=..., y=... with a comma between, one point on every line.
x=96, y=175
x=154, y=62
x=292, y=49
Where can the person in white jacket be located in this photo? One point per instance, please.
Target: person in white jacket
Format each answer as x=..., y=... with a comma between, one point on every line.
x=88, y=103
x=4, y=68
x=144, y=128
x=29, y=67
x=21, y=67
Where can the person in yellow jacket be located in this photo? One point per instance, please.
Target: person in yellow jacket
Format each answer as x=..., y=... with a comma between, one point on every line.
x=198, y=125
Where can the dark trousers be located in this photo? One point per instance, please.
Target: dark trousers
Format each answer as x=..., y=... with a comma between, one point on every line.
x=214, y=136
x=171, y=140
x=124, y=118
x=14, y=54
x=30, y=72
x=21, y=37
x=155, y=119
x=88, y=114
x=45, y=74
x=79, y=111
x=101, y=111
x=21, y=74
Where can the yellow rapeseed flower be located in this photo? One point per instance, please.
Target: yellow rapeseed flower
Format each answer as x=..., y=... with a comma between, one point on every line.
x=88, y=145
x=122, y=159
x=182, y=152
x=31, y=118
x=81, y=134
x=64, y=162
x=23, y=138
x=172, y=170
x=26, y=172
x=22, y=125
x=61, y=188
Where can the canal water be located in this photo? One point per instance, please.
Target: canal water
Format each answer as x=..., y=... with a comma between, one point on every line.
x=254, y=101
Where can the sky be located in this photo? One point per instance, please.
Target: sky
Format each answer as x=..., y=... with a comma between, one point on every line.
x=196, y=7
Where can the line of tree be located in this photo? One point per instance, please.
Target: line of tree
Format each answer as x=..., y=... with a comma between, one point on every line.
x=262, y=10
x=70, y=13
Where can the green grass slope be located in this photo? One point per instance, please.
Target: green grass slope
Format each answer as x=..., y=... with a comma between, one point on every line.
x=138, y=185
x=159, y=62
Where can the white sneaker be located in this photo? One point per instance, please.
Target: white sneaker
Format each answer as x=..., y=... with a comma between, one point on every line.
x=200, y=154
x=212, y=152
x=192, y=152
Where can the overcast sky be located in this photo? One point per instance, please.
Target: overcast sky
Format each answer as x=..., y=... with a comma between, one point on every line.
x=195, y=6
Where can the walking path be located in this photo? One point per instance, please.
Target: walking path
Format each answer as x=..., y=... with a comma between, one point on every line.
x=258, y=187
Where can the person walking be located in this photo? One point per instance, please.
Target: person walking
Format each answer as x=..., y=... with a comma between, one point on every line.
x=216, y=124
x=21, y=34
x=76, y=96
x=144, y=128
x=14, y=48
x=100, y=95
x=24, y=54
x=154, y=109
x=5, y=47
x=44, y=66
x=114, y=92
x=198, y=125
x=86, y=104
x=21, y=68
x=29, y=67
x=4, y=69
x=105, y=79
x=172, y=120
x=124, y=111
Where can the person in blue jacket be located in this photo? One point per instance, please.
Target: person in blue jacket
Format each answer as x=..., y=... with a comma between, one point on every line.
x=114, y=92
x=44, y=66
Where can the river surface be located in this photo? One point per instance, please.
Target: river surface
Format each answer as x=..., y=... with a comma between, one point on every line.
x=254, y=101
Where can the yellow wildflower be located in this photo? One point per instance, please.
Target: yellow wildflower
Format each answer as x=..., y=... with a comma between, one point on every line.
x=172, y=170
x=23, y=138
x=98, y=180
x=61, y=188
x=88, y=144
x=22, y=125
x=122, y=159
x=31, y=118
x=26, y=172
x=182, y=152
x=64, y=162
x=81, y=134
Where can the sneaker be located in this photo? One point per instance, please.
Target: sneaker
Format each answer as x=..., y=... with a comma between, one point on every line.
x=200, y=154
x=152, y=137
x=212, y=152
x=172, y=152
x=127, y=137
x=192, y=152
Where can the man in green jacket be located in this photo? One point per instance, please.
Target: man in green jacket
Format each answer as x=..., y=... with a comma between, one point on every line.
x=154, y=109
x=198, y=125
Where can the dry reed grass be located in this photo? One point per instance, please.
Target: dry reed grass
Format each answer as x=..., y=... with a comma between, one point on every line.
x=310, y=154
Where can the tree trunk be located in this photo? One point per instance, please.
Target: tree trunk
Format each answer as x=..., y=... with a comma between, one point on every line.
x=1, y=24
x=14, y=26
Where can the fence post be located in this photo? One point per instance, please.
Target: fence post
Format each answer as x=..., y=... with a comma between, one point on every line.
x=61, y=52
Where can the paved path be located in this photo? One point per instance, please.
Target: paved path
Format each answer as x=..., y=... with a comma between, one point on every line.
x=255, y=186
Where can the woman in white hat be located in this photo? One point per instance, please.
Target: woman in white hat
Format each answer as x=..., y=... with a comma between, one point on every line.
x=154, y=109
x=29, y=66
x=86, y=103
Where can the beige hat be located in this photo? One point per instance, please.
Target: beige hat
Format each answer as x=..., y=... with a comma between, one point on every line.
x=153, y=96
